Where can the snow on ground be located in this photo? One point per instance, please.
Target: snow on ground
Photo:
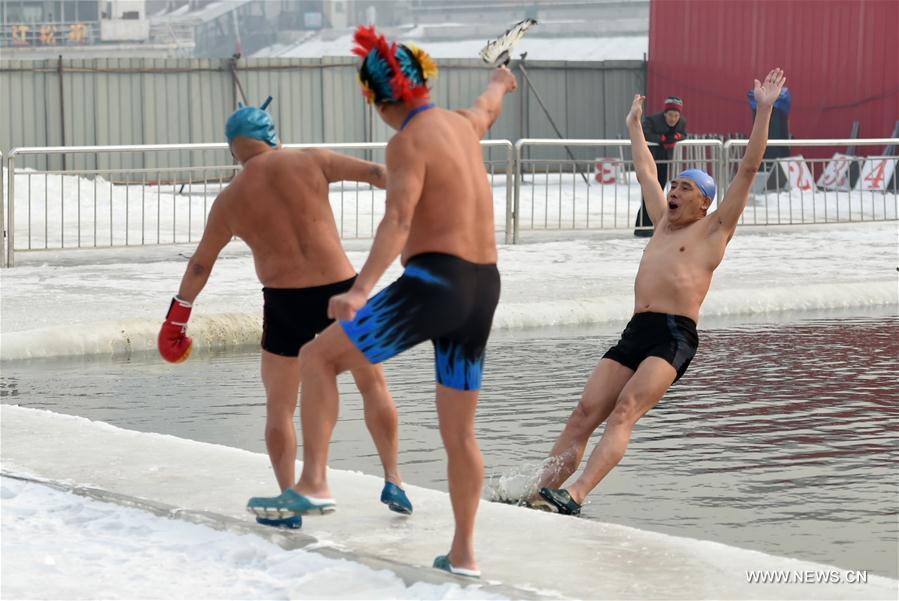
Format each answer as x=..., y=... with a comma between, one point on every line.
x=116, y=306
x=536, y=552
x=58, y=545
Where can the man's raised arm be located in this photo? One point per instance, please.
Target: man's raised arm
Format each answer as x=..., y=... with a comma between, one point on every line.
x=731, y=207
x=644, y=164
x=488, y=106
x=340, y=167
x=406, y=181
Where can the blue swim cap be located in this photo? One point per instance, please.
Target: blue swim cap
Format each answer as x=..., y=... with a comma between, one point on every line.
x=252, y=122
x=703, y=181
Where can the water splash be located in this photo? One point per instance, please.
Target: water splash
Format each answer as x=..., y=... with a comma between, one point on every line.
x=518, y=485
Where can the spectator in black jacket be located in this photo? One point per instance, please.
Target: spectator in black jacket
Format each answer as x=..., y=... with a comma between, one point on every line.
x=665, y=129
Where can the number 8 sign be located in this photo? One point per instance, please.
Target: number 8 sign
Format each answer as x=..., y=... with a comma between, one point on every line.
x=836, y=174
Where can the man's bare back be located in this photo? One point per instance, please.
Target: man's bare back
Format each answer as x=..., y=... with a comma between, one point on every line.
x=279, y=206
x=455, y=212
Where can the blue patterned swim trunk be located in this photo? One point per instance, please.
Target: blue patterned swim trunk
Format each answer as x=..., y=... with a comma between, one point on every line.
x=440, y=298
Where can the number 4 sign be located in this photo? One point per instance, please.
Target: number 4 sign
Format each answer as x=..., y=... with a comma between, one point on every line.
x=876, y=174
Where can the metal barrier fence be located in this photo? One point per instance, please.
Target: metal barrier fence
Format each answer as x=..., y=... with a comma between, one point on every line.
x=111, y=207
x=602, y=193
x=798, y=190
x=121, y=206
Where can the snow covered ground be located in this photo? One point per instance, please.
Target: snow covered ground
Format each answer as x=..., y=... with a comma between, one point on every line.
x=111, y=301
x=59, y=545
x=49, y=535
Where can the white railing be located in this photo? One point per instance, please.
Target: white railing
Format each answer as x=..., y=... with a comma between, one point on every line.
x=146, y=205
x=836, y=189
x=599, y=193
x=108, y=206
x=101, y=207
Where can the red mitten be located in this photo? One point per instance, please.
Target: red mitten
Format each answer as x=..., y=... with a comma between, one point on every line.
x=174, y=343
x=678, y=136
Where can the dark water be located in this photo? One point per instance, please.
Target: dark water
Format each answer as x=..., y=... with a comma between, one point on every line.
x=782, y=437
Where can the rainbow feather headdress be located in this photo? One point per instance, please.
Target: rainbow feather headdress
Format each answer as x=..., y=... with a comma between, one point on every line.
x=391, y=72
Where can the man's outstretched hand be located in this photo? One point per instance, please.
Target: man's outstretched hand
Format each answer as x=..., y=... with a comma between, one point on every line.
x=503, y=76
x=636, y=112
x=766, y=92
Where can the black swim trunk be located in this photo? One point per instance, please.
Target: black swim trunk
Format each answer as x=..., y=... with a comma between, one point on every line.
x=440, y=298
x=671, y=337
x=292, y=317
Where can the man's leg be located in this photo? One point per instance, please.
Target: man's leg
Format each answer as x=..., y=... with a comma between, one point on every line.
x=321, y=360
x=597, y=401
x=642, y=392
x=380, y=417
x=465, y=468
x=281, y=378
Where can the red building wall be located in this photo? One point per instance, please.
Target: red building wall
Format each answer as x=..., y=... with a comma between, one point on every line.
x=841, y=60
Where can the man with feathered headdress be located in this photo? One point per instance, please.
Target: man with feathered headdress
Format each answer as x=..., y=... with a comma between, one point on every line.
x=439, y=220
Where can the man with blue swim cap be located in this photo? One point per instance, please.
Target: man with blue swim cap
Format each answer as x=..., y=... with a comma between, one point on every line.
x=278, y=204
x=703, y=181
x=660, y=340
x=253, y=123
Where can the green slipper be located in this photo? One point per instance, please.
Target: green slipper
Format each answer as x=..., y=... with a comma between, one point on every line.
x=288, y=504
x=442, y=562
x=561, y=501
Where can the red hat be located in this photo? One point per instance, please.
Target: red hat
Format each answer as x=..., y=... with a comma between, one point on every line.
x=673, y=103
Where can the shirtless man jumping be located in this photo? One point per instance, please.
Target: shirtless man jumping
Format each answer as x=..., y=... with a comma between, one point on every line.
x=439, y=218
x=278, y=204
x=672, y=281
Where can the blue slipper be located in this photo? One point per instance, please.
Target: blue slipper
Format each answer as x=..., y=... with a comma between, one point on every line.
x=442, y=562
x=288, y=504
x=293, y=523
x=395, y=498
